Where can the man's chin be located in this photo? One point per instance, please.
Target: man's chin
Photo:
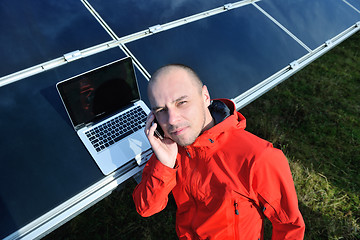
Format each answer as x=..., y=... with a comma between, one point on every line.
x=183, y=142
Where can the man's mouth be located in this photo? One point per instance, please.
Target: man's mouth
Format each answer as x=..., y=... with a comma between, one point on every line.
x=178, y=131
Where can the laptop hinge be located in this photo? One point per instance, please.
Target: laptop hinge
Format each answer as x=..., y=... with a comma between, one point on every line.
x=80, y=126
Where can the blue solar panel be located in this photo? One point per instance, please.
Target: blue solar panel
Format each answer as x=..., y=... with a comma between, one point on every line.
x=44, y=161
x=233, y=51
x=230, y=51
x=130, y=16
x=355, y=4
x=32, y=33
x=313, y=22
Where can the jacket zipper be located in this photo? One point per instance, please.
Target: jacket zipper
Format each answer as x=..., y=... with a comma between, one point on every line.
x=236, y=208
x=192, y=194
x=236, y=224
x=187, y=152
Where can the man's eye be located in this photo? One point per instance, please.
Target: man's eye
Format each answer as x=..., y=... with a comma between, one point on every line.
x=182, y=102
x=160, y=110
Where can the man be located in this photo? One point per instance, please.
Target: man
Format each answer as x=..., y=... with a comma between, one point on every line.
x=224, y=179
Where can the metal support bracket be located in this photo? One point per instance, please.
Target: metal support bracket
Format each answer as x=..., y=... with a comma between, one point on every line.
x=228, y=6
x=155, y=29
x=294, y=65
x=328, y=43
x=72, y=56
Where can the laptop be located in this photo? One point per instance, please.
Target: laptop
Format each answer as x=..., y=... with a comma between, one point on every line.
x=106, y=111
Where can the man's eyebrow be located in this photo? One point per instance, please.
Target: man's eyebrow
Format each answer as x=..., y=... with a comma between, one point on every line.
x=176, y=100
x=180, y=99
x=154, y=109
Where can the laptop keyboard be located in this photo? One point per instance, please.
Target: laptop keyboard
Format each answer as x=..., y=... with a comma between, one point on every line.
x=116, y=129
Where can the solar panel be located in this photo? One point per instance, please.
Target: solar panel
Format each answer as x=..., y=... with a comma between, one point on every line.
x=130, y=16
x=354, y=4
x=313, y=22
x=239, y=49
x=32, y=33
x=43, y=163
x=230, y=52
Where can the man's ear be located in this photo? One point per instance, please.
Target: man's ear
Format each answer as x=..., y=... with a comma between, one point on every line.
x=206, y=96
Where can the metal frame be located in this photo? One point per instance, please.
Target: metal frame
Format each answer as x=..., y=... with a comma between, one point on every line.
x=76, y=205
x=117, y=42
x=293, y=67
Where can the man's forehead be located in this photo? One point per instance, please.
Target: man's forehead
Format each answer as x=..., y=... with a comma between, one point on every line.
x=155, y=105
x=170, y=91
x=171, y=77
x=171, y=83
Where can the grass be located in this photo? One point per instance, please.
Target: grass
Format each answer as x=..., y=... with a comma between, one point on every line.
x=314, y=118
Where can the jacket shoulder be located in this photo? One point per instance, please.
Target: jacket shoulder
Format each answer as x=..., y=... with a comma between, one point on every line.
x=248, y=142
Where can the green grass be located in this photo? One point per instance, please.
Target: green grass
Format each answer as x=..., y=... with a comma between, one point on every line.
x=314, y=118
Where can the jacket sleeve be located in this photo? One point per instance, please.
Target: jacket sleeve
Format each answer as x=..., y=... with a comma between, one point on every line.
x=276, y=192
x=151, y=194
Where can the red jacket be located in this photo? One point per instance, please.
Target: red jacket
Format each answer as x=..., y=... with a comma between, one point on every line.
x=223, y=185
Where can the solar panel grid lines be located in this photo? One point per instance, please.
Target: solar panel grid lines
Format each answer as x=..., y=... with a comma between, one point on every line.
x=137, y=63
x=241, y=50
x=313, y=22
x=205, y=14
x=118, y=41
x=42, y=31
x=55, y=63
x=99, y=19
x=282, y=27
x=352, y=6
x=138, y=35
x=250, y=95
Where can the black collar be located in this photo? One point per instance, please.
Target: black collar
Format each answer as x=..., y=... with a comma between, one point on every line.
x=219, y=111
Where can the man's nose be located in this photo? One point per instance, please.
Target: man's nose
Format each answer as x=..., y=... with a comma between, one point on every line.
x=173, y=116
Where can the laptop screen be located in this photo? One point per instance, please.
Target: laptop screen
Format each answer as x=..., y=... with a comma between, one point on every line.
x=99, y=93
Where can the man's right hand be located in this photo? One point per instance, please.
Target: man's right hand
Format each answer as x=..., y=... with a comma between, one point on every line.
x=165, y=149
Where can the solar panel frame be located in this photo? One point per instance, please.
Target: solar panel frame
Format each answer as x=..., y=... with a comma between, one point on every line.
x=44, y=30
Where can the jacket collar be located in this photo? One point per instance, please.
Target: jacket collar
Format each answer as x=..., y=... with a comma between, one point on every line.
x=234, y=121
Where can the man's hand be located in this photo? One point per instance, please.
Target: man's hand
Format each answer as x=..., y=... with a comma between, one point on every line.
x=165, y=149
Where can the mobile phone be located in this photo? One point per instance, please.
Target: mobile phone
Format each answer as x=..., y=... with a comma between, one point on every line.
x=158, y=131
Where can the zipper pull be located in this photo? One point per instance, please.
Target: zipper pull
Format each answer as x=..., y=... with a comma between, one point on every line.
x=236, y=208
x=187, y=152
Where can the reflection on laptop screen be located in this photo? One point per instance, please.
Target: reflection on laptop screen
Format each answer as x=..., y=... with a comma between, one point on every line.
x=100, y=92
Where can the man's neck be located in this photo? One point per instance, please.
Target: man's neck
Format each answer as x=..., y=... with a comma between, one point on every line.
x=209, y=123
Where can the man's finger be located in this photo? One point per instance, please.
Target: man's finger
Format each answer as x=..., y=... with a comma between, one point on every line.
x=148, y=123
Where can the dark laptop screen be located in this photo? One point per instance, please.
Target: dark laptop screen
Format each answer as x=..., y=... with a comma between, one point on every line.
x=99, y=93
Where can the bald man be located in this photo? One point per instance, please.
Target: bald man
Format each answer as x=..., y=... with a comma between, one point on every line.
x=224, y=179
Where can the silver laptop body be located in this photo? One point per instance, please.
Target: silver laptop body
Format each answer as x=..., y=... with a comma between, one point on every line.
x=107, y=113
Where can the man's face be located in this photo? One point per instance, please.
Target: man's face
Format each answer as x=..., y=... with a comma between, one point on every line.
x=180, y=105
